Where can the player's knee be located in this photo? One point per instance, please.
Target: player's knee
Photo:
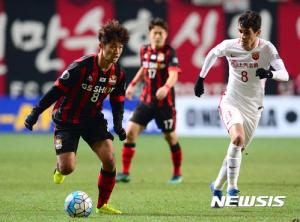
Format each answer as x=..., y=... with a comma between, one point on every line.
x=238, y=140
x=170, y=138
x=66, y=169
x=131, y=136
x=109, y=163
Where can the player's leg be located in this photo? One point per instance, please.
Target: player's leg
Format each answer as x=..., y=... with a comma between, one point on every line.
x=216, y=187
x=100, y=140
x=139, y=120
x=234, y=157
x=218, y=184
x=241, y=134
x=230, y=116
x=165, y=119
x=65, y=165
x=250, y=126
x=133, y=130
x=107, y=176
x=66, y=143
x=176, y=156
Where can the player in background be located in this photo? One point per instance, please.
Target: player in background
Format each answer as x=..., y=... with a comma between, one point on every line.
x=159, y=70
x=78, y=95
x=249, y=58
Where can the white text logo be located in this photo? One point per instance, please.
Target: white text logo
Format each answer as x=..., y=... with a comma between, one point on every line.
x=248, y=201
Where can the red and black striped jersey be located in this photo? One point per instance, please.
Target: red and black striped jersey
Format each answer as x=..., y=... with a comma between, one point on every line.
x=157, y=63
x=84, y=87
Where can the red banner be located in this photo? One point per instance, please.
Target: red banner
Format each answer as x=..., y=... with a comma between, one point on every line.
x=288, y=31
x=193, y=32
x=45, y=38
x=80, y=22
x=3, y=21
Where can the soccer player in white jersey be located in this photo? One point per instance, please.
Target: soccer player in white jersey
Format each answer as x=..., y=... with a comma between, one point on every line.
x=249, y=58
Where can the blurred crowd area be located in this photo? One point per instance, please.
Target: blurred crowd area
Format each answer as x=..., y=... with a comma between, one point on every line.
x=39, y=39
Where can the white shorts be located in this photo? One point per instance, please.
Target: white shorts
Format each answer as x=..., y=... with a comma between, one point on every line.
x=232, y=115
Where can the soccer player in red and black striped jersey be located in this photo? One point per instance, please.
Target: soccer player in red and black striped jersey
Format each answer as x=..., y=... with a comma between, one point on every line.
x=79, y=93
x=159, y=70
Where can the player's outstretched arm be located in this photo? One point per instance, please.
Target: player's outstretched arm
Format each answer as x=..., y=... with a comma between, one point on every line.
x=208, y=63
x=46, y=101
x=32, y=118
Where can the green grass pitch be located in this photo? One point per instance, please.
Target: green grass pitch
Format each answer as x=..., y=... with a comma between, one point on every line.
x=271, y=168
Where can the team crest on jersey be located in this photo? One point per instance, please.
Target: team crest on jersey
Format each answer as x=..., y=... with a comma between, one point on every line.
x=160, y=57
x=255, y=55
x=102, y=79
x=113, y=80
x=58, y=143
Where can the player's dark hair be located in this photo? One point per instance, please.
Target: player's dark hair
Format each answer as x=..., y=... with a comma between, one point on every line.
x=158, y=22
x=250, y=19
x=113, y=31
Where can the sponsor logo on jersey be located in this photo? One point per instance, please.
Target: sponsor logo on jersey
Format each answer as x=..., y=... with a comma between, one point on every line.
x=97, y=89
x=235, y=64
x=255, y=55
x=112, y=80
x=153, y=56
x=153, y=65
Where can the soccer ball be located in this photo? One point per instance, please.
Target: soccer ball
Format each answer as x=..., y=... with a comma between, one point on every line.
x=78, y=204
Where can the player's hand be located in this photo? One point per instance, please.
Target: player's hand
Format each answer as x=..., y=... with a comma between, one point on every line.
x=32, y=118
x=121, y=132
x=199, y=87
x=264, y=73
x=162, y=92
x=129, y=92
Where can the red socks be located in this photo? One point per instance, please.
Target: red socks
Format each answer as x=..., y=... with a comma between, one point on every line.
x=129, y=150
x=176, y=155
x=127, y=155
x=106, y=183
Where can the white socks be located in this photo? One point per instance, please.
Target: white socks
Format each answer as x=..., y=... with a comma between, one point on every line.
x=234, y=158
x=222, y=176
